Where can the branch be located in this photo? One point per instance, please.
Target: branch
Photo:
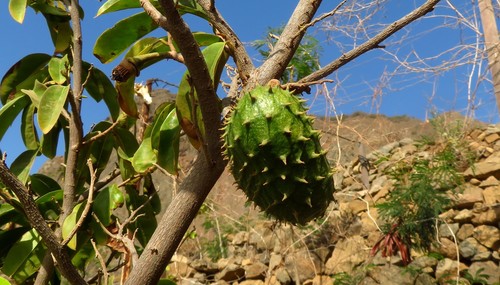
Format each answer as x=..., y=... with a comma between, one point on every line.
x=372, y=43
x=288, y=42
x=240, y=55
x=203, y=175
x=38, y=223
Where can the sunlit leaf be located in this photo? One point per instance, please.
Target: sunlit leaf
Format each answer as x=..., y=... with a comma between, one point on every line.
x=28, y=130
x=9, y=112
x=21, y=166
x=17, y=9
x=165, y=137
x=50, y=140
x=48, y=8
x=70, y=223
x=24, y=69
x=21, y=252
x=117, y=5
x=60, y=32
x=51, y=106
x=144, y=157
x=115, y=40
x=59, y=69
x=106, y=201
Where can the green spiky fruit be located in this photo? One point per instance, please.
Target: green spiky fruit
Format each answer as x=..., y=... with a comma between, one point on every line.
x=276, y=156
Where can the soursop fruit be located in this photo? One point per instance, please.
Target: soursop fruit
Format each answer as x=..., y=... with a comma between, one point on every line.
x=276, y=157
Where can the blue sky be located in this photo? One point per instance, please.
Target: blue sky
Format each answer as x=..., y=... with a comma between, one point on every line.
x=359, y=86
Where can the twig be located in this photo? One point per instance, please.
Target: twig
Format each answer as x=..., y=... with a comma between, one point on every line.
x=88, y=205
x=372, y=43
x=103, y=182
x=324, y=16
x=299, y=87
x=101, y=261
x=101, y=134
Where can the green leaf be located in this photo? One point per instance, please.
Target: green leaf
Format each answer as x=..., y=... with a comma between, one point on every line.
x=43, y=184
x=28, y=130
x=24, y=70
x=146, y=221
x=164, y=282
x=126, y=147
x=10, y=214
x=21, y=166
x=59, y=69
x=17, y=9
x=117, y=5
x=70, y=223
x=49, y=204
x=36, y=93
x=8, y=238
x=106, y=201
x=100, y=87
x=144, y=157
x=50, y=140
x=60, y=32
x=20, y=253
x=115, y=40
x=100, y=150
x=165, y=137
x=187, y=105
x=10, y=111
x=51, y=106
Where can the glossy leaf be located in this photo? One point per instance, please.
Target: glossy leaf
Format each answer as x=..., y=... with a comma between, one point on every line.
x=21, y=166
x=10, y=214
x=146, y=221
x=42, y=184
x=99, y=86
x=188, y=111
x=25, y=69
x=144, y=157
x=165, y=137
x=126, y=95
x=36, y=93
x=126, y=147
x=106, y=201
x=20, y=253
x=70, y=223
x=8, y=238
x=117, y=5
x=59, y=69
x=60, y=32
x=48, y=8
x=101, y=149
x=51, y=106
x=49, y=204
x=115, y=40
x=9, y=112
x=17, y=10
x=50, y=140
x=28, y=130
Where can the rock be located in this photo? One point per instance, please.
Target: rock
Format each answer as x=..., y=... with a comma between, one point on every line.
x=483, y=169
x=448, y=230
x=425, y=279
x=240, y=238
x=256, y=270
x=302, y=266
x=348, y=253
x=190, y=281
x=180, y=269
x=465, y=231
x=490, y=181
x=424, y=261
x=391, y=275
x=377, y=184
x=489, y=268
x=275, y=260
x=282, y=276
x=251, y=282
x=468, y=247
x=490, y=217
x=464, y=216
x=491, y=195
x=320, y=280
x=491, y=138
x=205, y=266
x=446, y=269
x=232, y=272
x=446, y=247
x=367, y=224
x=488, y=236
x=356, y=206
x=382, y=193
x=469, y=197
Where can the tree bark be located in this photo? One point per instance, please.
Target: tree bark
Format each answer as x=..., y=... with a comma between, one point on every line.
x=492, y=44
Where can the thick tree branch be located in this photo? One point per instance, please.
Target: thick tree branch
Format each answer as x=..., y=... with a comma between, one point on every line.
x=240, y=55
x=203, y=174
x=288, y=42
x=372, y=43
x=38, y=222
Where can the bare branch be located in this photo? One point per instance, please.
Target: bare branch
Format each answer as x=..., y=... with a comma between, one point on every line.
x=372, y=43
x=288, y=42
x=324, y=16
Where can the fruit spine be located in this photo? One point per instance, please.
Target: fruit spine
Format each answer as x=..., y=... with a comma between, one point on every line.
x=276, y=156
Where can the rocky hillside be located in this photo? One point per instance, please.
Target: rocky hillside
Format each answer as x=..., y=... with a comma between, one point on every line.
x=235, y=245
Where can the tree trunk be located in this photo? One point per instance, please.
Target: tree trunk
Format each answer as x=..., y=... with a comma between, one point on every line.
x=492, y=44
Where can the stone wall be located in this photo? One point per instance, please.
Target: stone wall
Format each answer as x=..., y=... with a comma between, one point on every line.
x=337, y=248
